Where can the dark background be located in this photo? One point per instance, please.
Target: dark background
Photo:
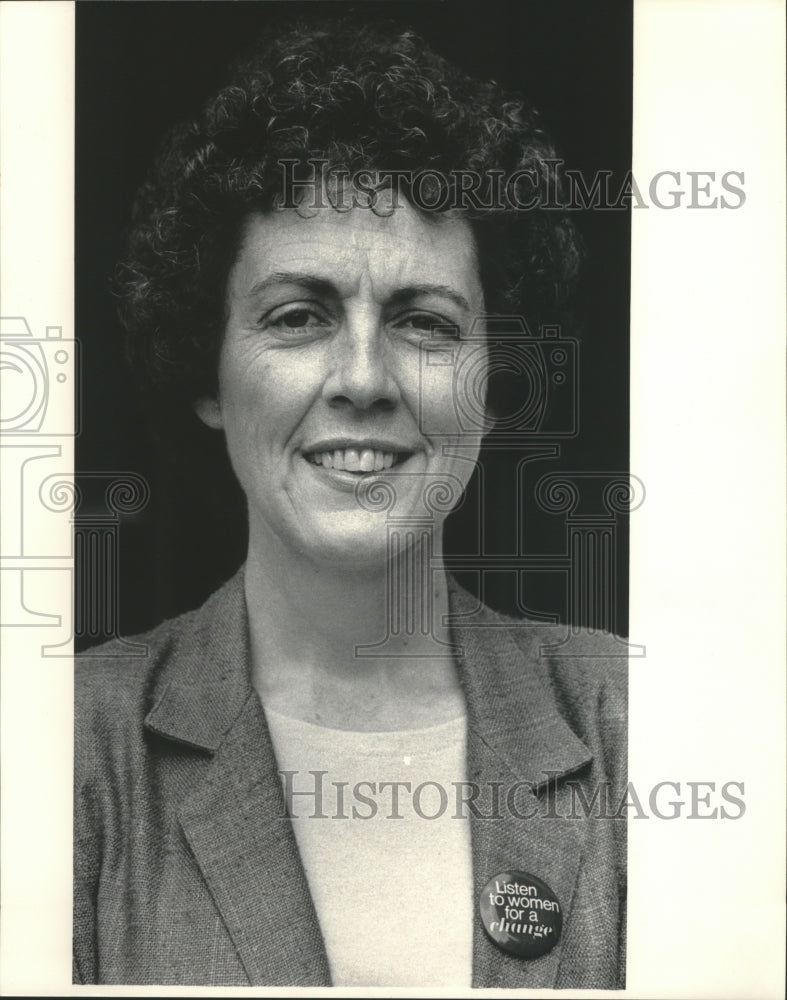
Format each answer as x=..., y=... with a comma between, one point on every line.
x=140, y=67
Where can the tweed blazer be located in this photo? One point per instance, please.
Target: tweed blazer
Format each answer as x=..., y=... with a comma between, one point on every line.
x=186, y=869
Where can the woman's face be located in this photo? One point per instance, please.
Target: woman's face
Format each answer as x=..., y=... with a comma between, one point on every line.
x=332, y=379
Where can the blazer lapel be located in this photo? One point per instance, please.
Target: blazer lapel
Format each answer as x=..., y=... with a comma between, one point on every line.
x=235, y=821
x=242, y=839
x=519, y=744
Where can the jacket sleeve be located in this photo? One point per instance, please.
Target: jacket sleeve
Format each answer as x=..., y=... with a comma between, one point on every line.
x=86, y=858
x=622, y=936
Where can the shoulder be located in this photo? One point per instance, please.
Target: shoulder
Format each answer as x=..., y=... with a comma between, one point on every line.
x=123, y=676
x=587, y=671
x=115, y=686
x=132, y=671
x=119, y=684
x=587, y=675
x=577, y=674
x=582, y=667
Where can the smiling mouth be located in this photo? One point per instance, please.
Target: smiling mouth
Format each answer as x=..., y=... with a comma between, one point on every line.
x=358, y=460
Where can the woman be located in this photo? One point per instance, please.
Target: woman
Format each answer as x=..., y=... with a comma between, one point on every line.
x=342, y=770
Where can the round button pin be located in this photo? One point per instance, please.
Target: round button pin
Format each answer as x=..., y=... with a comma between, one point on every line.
x=521, y=914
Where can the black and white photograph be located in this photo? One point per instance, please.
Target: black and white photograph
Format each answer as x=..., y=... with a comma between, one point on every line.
x=391, y=657
x=356, y=272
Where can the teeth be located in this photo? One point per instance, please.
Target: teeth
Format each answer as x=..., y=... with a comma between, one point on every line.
x=354, y=459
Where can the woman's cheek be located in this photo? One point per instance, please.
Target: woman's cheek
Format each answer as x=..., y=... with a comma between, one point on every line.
x=453, y=396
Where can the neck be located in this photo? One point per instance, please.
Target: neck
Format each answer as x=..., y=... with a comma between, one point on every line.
x=308, y=620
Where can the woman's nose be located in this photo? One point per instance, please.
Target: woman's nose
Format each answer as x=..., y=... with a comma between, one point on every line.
x=363, y=374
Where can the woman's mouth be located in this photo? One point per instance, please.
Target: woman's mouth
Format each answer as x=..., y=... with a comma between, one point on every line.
x=358, y=460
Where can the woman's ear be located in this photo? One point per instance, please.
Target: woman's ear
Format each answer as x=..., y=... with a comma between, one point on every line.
x=208, y=409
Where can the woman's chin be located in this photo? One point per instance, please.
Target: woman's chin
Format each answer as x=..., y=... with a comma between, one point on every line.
x=361, y=541
x=352, y=547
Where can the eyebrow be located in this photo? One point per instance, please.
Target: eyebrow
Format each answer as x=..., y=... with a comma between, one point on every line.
x=413, y=291
x=322, y=286
x=305, y=280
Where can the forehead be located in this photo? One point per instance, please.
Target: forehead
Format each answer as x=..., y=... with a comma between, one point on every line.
x=349, y=247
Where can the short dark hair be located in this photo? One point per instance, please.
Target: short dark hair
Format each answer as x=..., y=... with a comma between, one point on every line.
x=355, y=95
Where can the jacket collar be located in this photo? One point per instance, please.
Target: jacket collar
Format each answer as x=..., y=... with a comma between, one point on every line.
x=206, y=679
x=510, y=705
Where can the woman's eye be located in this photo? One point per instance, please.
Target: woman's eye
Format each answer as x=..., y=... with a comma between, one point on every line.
x=427, y=323
x=297, y=319
x=423, y=322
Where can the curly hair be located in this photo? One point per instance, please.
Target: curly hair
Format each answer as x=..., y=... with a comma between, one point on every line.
x=357, y=96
